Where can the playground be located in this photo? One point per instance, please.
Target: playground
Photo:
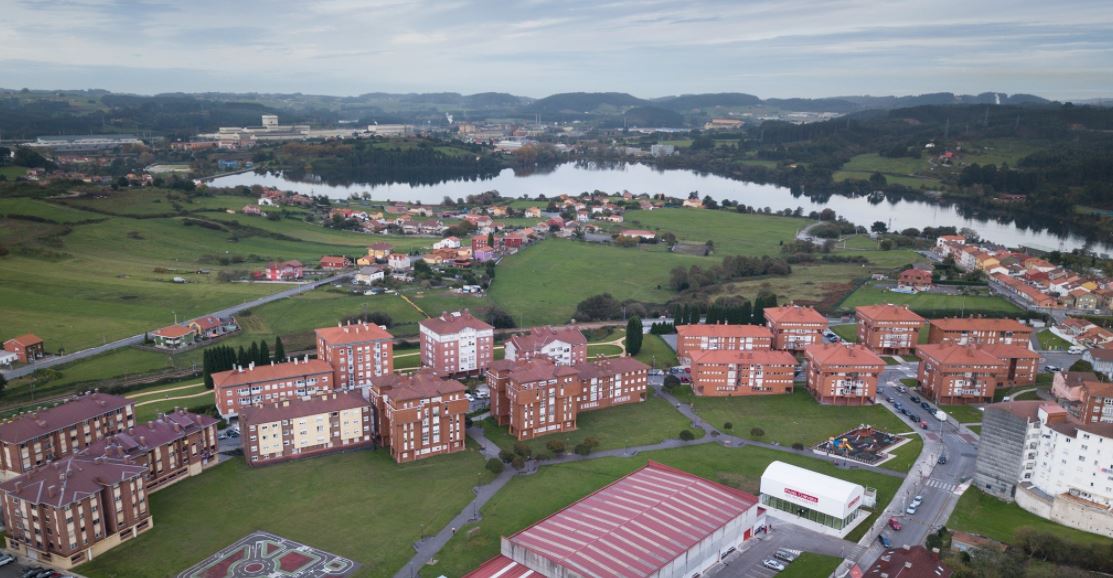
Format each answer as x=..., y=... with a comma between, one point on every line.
x=864, y=444
x=262, y=554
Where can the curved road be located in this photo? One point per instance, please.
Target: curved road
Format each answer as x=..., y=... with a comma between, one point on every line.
x=137, y=339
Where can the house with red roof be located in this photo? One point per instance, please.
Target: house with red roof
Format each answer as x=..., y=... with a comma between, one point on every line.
x=284, y=270
x=27, y=347
x=334, y=263
x=211, y=326
x=173, y=337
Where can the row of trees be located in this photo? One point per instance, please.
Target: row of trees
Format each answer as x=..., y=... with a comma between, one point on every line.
x=731, y=269
x=224, y=357
x=730, y=310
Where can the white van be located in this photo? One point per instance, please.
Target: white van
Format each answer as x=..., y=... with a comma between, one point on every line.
x=1076, y=349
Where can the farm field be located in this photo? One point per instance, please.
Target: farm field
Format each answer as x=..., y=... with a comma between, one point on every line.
x=870, y=295
x=732, y=233
x=525, y=500
x=337, y=503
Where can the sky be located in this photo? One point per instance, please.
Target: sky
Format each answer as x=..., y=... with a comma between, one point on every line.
x=649, y=48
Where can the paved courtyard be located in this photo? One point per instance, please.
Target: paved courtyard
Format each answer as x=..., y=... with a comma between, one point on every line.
x=264, y=554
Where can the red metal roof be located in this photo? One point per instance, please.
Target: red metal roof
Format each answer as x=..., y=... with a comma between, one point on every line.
x=637, y=525
x=501, y=567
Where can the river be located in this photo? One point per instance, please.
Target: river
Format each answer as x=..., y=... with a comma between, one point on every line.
x=573, y=179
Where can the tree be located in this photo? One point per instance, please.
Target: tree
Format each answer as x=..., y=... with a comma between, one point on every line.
x=1081, y=365
x=241, y=358
x=494, y=465
x=555, y=446
x=264, y=352
x=687, y=435
x=879, y=227
x=279, y=350
x=634, y=336
x=253, y=353
x=671, y=382
x=878, y=180
x=728, y=425
x=491, y=239
x=3, y=383
x=756, y=432
x=598, y=308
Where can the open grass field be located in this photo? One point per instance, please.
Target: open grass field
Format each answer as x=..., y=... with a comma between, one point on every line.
x=612, y=427
x=810, y=565
x=808, y=284
x=791, y=418
x=1050, y=341
x=656, y=353
x=964, y=413
x=543, y=283
x=980, y=513
x=525, y=500
x=12, y=173
x=732, y=233
x=45, y=210
x=870, y=295
x=339, y=503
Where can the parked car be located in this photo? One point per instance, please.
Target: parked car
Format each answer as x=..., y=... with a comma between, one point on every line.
x=6, y=559
x=942, y=459
x=925, y=405
x=785, y=555
x=916, y=501
x=923, y=425
x=888, y=399
x=915, y=399
x=911, y=509
x=895, y=524
x=885, y=541
x=1076, y=349
x=902, y=389
x=773, y=565
x=1051, y=368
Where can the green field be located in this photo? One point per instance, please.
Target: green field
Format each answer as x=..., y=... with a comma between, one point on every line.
x=848, y=332
x=1050, y=341
x=906, y=455
x=656, y=353
x=339, y=503
x=791, y=418
x=980, y=513
x=964, y=413
x=732, y=233
x=11, y=173
x=525, y=500
x=543, y=283
x=611, y=427
x=870, y=295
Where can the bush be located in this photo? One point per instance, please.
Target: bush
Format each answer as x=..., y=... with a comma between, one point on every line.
x=582, y=449
x=687, y=435
x=518, y=462
x=542, y=456
x=521, y=449
x=757, y=432
x=555, y=446
x=798, y=446
x=728, y=425
x=494, y=465
x=506, y=456
x=671, y=382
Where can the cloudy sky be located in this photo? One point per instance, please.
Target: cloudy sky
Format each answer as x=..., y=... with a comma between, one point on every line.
x=771, y=48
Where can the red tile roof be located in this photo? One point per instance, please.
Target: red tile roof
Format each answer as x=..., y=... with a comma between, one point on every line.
x=208, y=322
x=794, y=314
x=173, y=331
x=27, y=339
x=353, y=333
x=158, y=432
x=32, y=425
x=908, y=562
x=454, y=322
x=842, y=354
x=723, y=330
x=1007, y=351
x=272, y=372
x=70, y=480
x=610, y=366
x=332, y=261
x=421, y=384
x=539, y=337
x=295, y=408
x=636, y=525
x=957, y=354
x=757, y=357
x=979, y=324
x=888, y=312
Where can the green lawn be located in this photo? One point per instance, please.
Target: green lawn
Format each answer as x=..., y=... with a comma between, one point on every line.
x=808, y=284
x=44, y=209
x=603, y=349
x=975, y=428
x=792, y=418
x=543, y=283
x=612, y=427
x=656, y=353
x=732, y=233
x=980, y=513
x=810, y=565
x=906, y=455
x=11, y=173
x=339, y=503
x=848, y=332
x=964, y=413
x=870, y=295
x=525, y=500
x=1049, y=340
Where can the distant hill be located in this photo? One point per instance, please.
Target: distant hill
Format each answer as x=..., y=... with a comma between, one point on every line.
x=689, y=102
x=646, y=116
x=585, y=103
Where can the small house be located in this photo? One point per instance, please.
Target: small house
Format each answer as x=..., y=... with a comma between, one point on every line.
x=173, y=337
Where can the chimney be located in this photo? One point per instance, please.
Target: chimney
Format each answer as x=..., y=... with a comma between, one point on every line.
x=251, y=366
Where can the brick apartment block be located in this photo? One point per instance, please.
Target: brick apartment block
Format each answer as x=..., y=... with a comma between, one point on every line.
x=563, y=345
x=174, y=446
x=419, y=415
x=299, y=428
x=457, y=343
x=1021, y=363
x=691, y=338
x=32, y=439
x=794, y=327
x=728, y=373
x=1096, y=405
x=954, y=374
x=888, y=329
x=843, y=374
x=979, y=331
x=244, y=387
x=358, y=353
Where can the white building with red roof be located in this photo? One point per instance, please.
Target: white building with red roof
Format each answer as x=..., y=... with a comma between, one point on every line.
x=656, y=522
x=563, y=345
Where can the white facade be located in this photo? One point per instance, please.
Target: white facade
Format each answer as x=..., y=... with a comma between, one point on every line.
x=812, y=490
x=1060, y=463
x=560, y=352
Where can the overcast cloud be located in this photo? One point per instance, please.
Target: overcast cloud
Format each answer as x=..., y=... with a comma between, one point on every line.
x=771, y=48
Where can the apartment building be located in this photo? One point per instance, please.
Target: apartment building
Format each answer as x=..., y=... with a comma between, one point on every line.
x=794, y=327
x=457, y=343
x=1096, y=404
x=174, y=446
x=692, y=338
x=888, y=329
x=75, y=509
x=843, y=374
x=358, y=353
x=298, y=428
x=978, y=331
x=32, y=439
x=1050, y=463
x=1022, y=365
x=419, y=415
x=955, y=374
x=537, y=396
x=728, y=372
x=243, y=387
x=563, y=345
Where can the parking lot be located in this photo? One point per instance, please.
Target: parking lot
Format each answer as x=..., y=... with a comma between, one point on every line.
x=747, y=563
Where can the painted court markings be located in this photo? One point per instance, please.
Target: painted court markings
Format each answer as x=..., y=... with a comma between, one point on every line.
x=262, y=554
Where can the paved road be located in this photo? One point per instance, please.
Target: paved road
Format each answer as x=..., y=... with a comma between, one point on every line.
x=137, y=339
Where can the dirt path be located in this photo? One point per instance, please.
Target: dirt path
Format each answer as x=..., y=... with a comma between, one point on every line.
x=202, y=394
x=158, y=391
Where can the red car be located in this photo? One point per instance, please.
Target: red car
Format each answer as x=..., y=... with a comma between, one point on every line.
x=894, y=524
x=923, y=425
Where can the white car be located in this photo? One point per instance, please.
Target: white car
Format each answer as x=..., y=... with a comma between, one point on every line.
x=773, y=565
x=917, y=501
x=6, y=559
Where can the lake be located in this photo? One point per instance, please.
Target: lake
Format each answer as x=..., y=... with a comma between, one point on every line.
x=574, y=179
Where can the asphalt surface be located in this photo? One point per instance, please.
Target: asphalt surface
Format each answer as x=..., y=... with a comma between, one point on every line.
x=137, y=339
